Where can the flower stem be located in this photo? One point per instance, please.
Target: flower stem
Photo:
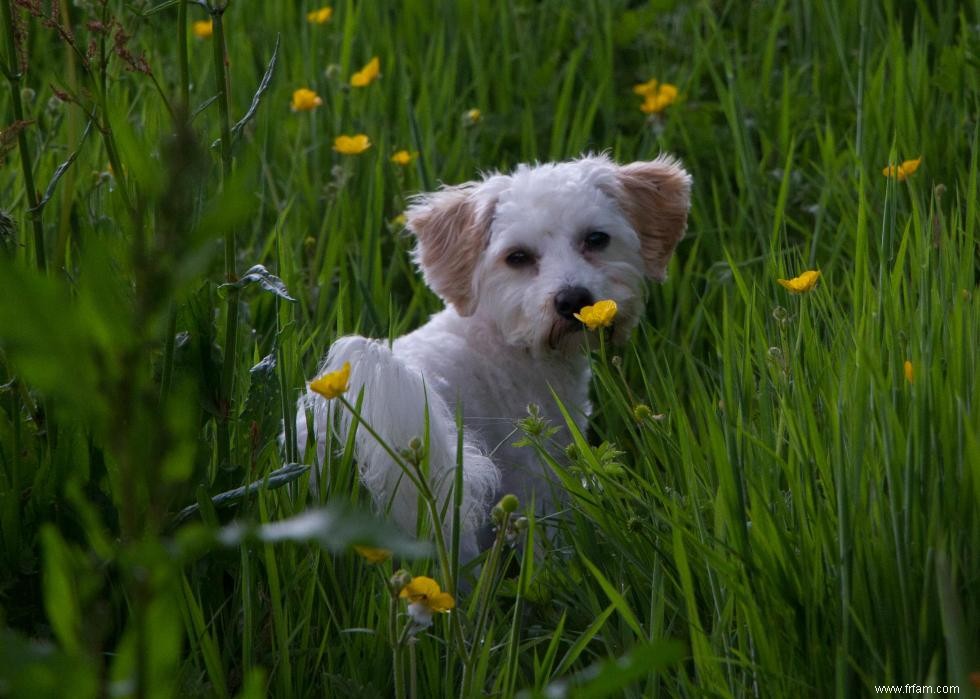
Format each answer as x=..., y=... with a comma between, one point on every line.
x=413, y=686
x=416, y=478
x=396, y=651
x=231, y=276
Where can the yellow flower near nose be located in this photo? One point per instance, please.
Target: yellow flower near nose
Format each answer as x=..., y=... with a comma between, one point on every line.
x=599, y=315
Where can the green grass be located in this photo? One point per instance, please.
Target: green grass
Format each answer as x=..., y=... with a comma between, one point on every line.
x=792, y=517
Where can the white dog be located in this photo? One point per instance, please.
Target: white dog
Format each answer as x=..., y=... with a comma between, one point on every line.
x=513, y=257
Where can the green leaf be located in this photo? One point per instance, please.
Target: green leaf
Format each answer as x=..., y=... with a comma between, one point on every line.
x=614, y=597
x=60, y=170
x=257, y=97
x=261, y=412
x=276, y=479
x=257, y=274
x=60, y=600
x=335, y=528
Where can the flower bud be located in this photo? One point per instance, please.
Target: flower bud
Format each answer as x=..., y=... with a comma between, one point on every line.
x=508, y=503
x=498, y=516
x=398, y=581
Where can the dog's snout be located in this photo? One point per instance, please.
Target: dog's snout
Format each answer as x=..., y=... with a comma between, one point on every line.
x=571, y=299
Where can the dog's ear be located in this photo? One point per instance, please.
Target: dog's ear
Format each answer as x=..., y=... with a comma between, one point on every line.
x=452, y=232
x=656, y=198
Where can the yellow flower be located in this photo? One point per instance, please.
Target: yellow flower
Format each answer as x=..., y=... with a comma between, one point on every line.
x=373, y=555
x=425, y=597
x=599, y=315
x=321, y=16
x=656, y=96
x=351, y=145
x=801, y=284
x=367, y=75
x=900, y=172
x=647, y=88
x=332, y=384
x=403, y=157
x=909, y=371
x=202, y=29
x=473, y=116
x=304, y=100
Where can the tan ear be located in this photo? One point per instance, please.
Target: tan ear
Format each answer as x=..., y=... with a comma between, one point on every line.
x=452, y=234
x=656, y=199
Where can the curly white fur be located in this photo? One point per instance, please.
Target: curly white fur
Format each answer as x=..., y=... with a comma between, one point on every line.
x=503, y=341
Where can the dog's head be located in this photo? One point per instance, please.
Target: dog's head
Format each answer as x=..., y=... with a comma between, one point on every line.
x=528, y=250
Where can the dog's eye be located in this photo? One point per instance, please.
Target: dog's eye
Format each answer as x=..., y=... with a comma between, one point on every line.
x=520, y=258
x=596, y=240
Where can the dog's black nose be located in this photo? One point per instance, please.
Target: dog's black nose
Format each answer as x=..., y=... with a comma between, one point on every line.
x=571, y=299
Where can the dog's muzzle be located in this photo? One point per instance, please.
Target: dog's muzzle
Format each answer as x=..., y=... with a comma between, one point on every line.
x=572, y=299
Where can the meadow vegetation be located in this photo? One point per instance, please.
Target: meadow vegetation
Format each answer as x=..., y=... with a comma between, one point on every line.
x=778, y=491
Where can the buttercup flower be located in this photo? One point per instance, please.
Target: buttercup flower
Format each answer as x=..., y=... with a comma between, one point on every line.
x=304, y=100
x=203, y=29
x=599, y=315
x=656, y=96
x=372, y=555
x=321, y=16
x=473, y=116
x=900, y=172
x=367, y=75
x=334, y=383
x=425, y=598
x=801, y=284
x=909, y=371
x=403, y=157
x=351, y=145
x=647, y=88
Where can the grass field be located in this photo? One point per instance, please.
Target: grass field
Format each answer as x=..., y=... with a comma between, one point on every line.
x=778, y=493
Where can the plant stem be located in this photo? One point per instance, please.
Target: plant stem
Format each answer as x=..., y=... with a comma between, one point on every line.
x=413, y=686
x=416, y=478
x=169, y=346
x=182, y=66
x=396, y=651
x=12, y=71
x=231, y=276
x=288, y=418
